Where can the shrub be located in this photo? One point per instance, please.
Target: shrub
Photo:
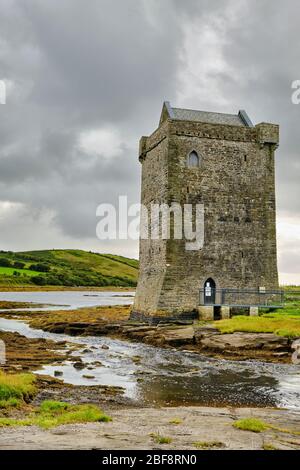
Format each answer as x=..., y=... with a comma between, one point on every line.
x=39, y=280
x=5, y=263
x=19, y=265
x=42, y=268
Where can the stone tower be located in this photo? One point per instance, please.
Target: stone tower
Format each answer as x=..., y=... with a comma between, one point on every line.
x=225, y=163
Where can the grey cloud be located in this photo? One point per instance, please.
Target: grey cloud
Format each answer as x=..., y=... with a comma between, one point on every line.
x=81, y=66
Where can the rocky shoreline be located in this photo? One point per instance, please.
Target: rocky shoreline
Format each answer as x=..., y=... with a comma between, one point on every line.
x=181, y=428
x=206, y=340
x=199, y=337
x=188, y=428
x=29, y=354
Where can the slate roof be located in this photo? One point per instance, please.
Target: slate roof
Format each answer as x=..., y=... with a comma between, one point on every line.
x=240, y=119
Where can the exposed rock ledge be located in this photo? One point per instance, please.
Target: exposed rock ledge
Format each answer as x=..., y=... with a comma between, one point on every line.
x=239, y=345
x=182, y=334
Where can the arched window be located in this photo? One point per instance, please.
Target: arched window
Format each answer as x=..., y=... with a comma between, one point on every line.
x=193, y=159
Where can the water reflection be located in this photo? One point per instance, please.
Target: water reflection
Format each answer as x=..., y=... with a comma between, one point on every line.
x=170, y=377
x=69, y=299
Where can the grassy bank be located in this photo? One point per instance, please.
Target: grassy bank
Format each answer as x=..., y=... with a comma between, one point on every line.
x=16, y=389
x=55, y=413
x=65, y=268
x=283, y=322
x=16, y=393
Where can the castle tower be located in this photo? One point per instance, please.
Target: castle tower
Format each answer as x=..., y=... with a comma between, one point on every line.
x=226, y=164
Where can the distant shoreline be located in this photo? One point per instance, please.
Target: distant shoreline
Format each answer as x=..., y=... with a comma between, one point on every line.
x=64, y=288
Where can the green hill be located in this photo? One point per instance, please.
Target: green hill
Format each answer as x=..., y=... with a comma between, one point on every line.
x=76, y=268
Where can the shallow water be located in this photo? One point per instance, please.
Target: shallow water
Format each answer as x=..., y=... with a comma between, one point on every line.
x=170, y=377
x=69, y=299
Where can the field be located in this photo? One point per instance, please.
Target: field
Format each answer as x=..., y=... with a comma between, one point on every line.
x=70, y=268
x=12, y=271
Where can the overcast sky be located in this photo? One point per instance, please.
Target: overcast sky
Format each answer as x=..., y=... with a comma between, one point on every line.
x=86, y=79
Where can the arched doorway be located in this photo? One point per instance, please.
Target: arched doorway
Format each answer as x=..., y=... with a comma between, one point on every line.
x=209, y=292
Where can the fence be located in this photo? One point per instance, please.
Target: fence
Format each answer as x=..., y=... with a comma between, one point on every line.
x=242, y=297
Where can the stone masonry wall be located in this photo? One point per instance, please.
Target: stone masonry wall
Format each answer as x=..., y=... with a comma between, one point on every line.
x=235, y=182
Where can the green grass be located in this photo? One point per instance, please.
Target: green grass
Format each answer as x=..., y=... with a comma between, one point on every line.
x=282, y=326
x=15, y=422
x=176, y=421
x=257, y=425
x=74, y=268
x=50, y=406
x=159, y=439
x=121, y=259
x=269, y=446
x=251, y=424
x=283, y=322
x=208, y=445
x=16, y=388
x=52, y=413
x=10, y=403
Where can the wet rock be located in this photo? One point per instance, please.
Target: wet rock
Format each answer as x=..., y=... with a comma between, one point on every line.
x=143, y=372
x=296, y=344
x=101, y=329
x=79, y=365
x=104, y=346
x=58, y=373
x=138, y=332
x=86, y=351
x=87, y=376
x=205, y=332
x=175, y=322
x=295, y=358
x=16, y=367
x=178, y=336
x=30, y=353
x=136, y=359
x=236, y=341
x=296, y=354
x=130, y=329
x=97, y=363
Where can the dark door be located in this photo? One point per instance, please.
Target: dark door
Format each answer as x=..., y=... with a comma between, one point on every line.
x=209, y=292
